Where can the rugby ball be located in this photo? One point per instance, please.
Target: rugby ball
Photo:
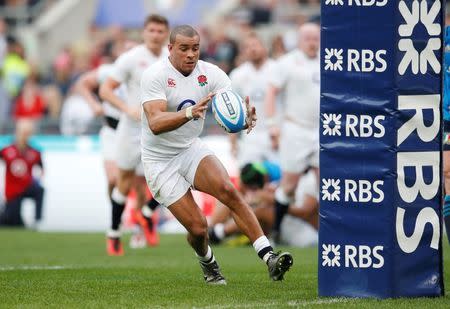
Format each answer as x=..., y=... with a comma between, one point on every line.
x=229, y=111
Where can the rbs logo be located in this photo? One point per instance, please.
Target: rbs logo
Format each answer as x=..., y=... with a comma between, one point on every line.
x=353, y=256
x=357, y=2
x=355, y=126
x=364, y=60
x=361, y=191
x=415, y=189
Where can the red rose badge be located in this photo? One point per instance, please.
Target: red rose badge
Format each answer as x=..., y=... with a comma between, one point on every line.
x=202, y=80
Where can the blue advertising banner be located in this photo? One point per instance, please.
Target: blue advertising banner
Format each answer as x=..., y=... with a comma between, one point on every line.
x=380, y=161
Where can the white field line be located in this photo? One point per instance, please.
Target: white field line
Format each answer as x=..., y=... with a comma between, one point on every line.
x=292, y=303
x=33, y=267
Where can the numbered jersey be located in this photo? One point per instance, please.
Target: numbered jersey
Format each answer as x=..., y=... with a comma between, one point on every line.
x=162, y=81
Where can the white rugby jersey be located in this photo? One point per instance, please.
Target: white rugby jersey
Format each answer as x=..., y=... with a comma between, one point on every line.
x=162, y=81
x=103, y=72
x=299, y=77
x=249, y=81
x=128, y=69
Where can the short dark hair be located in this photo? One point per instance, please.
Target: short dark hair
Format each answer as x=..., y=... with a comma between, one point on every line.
x=253, y=174
x=184, y=30
x=157, y=19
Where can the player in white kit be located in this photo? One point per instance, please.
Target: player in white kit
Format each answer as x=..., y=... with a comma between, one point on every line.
x=87, y=85
x=175, y=95
x=128, y=69
x=297, y=74
x=252, y=79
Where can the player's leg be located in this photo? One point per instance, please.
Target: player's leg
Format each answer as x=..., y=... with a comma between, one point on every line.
x=108, y=145
x=36, y=192
x=118, y=200
x=284, y=195
x=145, y=212
x=11, y=215
x=212, y=178
x=172, y=189
x=264, y=214
x=190, y=216
x=111, y=173
x=219, y=217
x=298, y=147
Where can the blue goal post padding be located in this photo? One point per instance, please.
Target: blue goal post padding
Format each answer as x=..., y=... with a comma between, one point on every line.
x=380, y=148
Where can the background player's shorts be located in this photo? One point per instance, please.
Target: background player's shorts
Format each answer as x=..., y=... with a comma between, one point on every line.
x=299, y=148
x=169, y=180
x=255, y=147
x=446, y=136
x=128, y=149
x=108, y=145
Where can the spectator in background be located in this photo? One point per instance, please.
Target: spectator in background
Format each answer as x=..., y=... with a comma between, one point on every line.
x=62, y=75
x=15, y=68
x=3, y=42
x=20, y=158
x=4, y=98
x=221, y=50
x=30, y=102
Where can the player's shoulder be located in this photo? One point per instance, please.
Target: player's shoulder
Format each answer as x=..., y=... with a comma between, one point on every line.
x=156, y=70
x=132, y=53
x=103, y=71
x=205, y=66
x=289, y=57
x=241, y=70
x=9, y=151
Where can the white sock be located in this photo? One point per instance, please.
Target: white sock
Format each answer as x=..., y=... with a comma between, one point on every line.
x=113, y=233
x=208, y=258
x=263, y=248
x=146, y=211
x=118, y=197
x=219, y=230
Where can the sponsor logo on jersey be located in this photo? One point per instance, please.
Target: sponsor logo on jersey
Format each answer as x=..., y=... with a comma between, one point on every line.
x=171, y=83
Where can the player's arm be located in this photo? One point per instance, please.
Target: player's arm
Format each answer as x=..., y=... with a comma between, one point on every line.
x=160, y=120
x=85, y=86
x=270, y=103
x=119, y=74
x=107, y=93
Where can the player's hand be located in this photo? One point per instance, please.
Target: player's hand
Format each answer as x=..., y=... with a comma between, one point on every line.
x=251, y=115
x=199, y=109
x=134, y=113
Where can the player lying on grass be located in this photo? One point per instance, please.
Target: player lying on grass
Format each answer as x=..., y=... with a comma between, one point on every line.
x=258, y=183
x=175, y=94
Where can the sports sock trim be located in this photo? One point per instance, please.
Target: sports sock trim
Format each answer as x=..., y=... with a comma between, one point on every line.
x=118, y=197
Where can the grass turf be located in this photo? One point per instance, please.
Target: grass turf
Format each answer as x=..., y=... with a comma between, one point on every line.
x=72, y=271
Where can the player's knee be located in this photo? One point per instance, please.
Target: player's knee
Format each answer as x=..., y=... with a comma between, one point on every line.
x=199, y=230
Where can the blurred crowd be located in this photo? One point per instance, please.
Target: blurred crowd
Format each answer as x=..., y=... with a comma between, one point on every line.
x=47, y=94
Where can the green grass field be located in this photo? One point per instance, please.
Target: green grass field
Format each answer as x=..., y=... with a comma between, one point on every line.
x=72, y=271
